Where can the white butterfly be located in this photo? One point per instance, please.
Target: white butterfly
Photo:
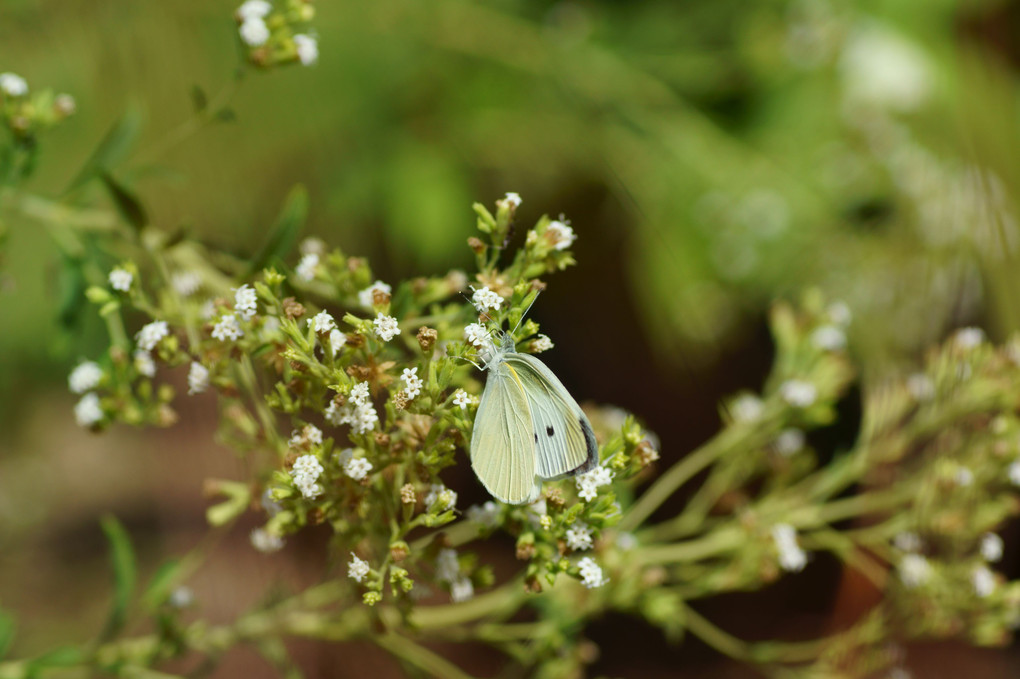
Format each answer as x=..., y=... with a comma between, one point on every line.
x=528, y=428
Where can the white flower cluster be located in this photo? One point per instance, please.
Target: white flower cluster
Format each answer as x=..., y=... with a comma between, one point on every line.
x=476, y=334
x=227, y=329
x=307, y=267
x=84, y=377
x=307, y=49
x=246, y=302
x=798, y=393
x=144, y=363
x=790, y=442
x=991, y=547
x=560, y=235
x=366, y=297
x=13, y=85
x=829, y=338
x=983, y=580
x=308, y=435
x=305, y=472
x=358, y=412
x=791, y=556
x=969, y=338
x=907, y=541
x=252, y=14
x=120, y=279
x=265, y=542
x=198, y=378
x=578, y=537
x=336, y=340
x=462, y=399
x=448, y=571
x=151, y=334
x=322, y=322
x=88, y=410
x=591, y=573
x=440, y=497
x=485, y=515
x=386, y=327
x=921, y=387
x=746, y=408
x=186, y=283
x=412, y=383
x=357, y=569
x=914, y=570
x=357, y=468
x=510, y=200
x=540, y=344
x=486, y=299
x=588, y=484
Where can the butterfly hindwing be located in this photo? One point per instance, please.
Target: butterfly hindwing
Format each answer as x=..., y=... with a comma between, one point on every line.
x=501, y=444
x=563, y=438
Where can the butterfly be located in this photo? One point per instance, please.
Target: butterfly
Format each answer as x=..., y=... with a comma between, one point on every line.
x=528, y=427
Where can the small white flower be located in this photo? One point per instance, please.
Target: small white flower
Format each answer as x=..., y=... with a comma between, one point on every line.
x=791, y=557
x=181, y=597
x=85, y=376
x=151, y=334
x=964, y=477
x=271, y=506
x=591, y=574
x=144, y=364
x=540, y=344
x=447, y=565
x=254, y=9
x=440, y=497
x=359, y=393
x=626, y=541
x=120, y=279
x=907, y=541
x=305, y=472
x=306, y=435
x=790, y=442
x=357, y=468
x=839, y=313
x=386, y=327
x=486, y=515
x=560, y=235
x=88, y=411
x=921, y=387
x=366, y=297
x=969, y=338
x=476, y=334
x=336, y=340
x=307, y=49
x=578, y=537
x=746, y=408
x=186, y=283
x=245, y=302
x=589, y=482
x=461, y=589
x=798, y=393
x=462, y=399
x=486, y=299
x=254, y=32
x=307, y=267
x=829, y=338
x=511, y=200
x=13, y=85
x=357, y=569
x=915, y=570
x=1014, y=473
x=208, y=310
x=412, y=383
x=227, y=328
x=198, y=378
x=991, y=547
x=983, y=580
x=322, y=322
x=265, y=542
x=65, y=104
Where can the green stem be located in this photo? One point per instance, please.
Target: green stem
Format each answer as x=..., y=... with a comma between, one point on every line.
x=419, y=656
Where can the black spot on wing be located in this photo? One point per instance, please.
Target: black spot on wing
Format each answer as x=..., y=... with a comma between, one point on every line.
x=549, y=431
x=536, y=438
x=591, y=444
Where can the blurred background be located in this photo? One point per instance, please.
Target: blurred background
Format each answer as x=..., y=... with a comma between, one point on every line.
x=712, y=155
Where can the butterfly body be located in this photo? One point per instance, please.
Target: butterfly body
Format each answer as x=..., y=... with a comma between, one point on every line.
x=528, y=428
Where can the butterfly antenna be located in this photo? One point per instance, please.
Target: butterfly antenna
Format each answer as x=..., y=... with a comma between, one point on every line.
x=525, y=314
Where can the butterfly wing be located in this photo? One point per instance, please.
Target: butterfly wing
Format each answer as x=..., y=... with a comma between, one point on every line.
x=502, y=453
x=563, y=439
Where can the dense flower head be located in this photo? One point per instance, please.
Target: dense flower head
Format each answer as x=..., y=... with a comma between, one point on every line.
x=791, y=557
x=412, y=383
x=357, y=569
x=486, y=299
x=198, y=378
x=829, y=338
x=227, y=329
x=84, y=377
x=591, y=573
x=991, y=547
x=561, y=236
x=13, y=85
x=322, y=322
x=265, y=542
x=245, y=302
x=746, y=408
x=476, y=334
x=589, y=482
x=144, y=363
x=540, y=344
x=511, y=200
x=914, y=570
x=88, y=411
x=357, y=468
x=254, y=9
x=307, y=49
x=983, y=580
x=305, y=472
x=386, y=327
x=366, y=297
x=308, y=266
x=798, y=393
x=186, y=283
x=253, y=31
x=336, y=340
x=790, y=441
x=462, y=398
x=151, y=334
x=441, y=497
x=120, y=279
x=578, y=537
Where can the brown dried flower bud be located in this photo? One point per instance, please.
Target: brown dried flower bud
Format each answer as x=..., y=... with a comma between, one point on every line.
x=537, y=285
x=359, y=372
x=400, y=400
x=532, y=585
x=427, y=338
x=554, y=496
x=399, y=550
x=355, y=263
x=292, y=308
x=380, y=297
x=382, y=438
x=407, y=495
x=646, y=453
x=477, y=245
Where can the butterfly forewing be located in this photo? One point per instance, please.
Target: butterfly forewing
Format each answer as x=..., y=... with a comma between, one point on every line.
x=502, y=454
x=563, y=438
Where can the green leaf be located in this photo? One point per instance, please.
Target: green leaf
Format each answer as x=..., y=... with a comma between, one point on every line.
x=8, y=625
x=284, y=232
x=71, y=286
x=65, y=656
x=198, y=98
x=125, y=575
x=161, y=584
x=238, y=498
x=114, y=146
x=128, y=205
